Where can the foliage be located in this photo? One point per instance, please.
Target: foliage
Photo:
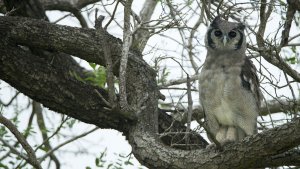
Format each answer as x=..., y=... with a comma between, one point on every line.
x=121, y=162
x=96, y=77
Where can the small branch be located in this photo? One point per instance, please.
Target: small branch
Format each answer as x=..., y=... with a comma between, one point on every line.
x=65, y=143
x=102, y=98
x=108, y=59
x=294, y=37
x=112, y=16
x=190, y=109
x=53, y=134
x=293, y=44
x=37, y=109
x=13, y=150
x=268, y=55
x=127, y=40
x=11, y=100
x=264, y=15
x=141, y=34
x=79, y=16
x=31, y=155
x=191, y=38
x=177, y=88
x=178, y=81
x=287, y=25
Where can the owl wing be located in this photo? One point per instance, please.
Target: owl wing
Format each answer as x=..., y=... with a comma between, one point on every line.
x=250, y=80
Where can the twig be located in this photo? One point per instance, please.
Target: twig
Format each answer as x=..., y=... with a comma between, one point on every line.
x=65, y=143
x=13, y=150
x=11, y=100
x=30, y=153
x=37, y=109
x=177, y=88
x=294, y=37
x=293, y=44
x=192, y=35
x=70, y=14
x=53, y=134
x=102, y=98
x=178, y=81
x=190, y=109
x=112, y=16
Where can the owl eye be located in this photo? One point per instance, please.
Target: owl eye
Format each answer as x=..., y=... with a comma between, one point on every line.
x=218, y=33
x=232, y=34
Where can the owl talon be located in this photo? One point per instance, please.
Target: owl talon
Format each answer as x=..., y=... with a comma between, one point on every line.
x=227, y=142
x=213, y=147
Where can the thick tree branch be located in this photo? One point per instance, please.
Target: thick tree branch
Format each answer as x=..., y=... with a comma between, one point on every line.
x=289, y=157
x=66, y=5
x=250, y=153
x=63, y=93
x=74, y=41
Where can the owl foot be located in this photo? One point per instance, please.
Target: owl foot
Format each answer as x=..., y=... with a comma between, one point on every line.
x=214, y=147
x=227, y=142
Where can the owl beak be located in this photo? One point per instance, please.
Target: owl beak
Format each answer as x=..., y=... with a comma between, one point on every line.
x=225, y=39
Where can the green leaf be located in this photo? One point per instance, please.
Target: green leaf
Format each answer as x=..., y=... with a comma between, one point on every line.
x=101, y=76
x=97, y=161
x=71, y=122
x=2, y=131
x=128, y=163
x=98, y=76
x=103, y=154
x=292, y=60
x=93, y=65
x=3, y=166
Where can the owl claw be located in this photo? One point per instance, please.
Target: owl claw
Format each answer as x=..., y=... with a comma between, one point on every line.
x=214, y=147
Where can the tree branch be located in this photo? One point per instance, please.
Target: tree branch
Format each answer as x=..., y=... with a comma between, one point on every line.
x=37, y=109
x=66, y=5
x=142, y=35
x=66, y=142
x=291, y=10
x=63, y=92
x=250, y=153
x=21, y=139
x=127, y=39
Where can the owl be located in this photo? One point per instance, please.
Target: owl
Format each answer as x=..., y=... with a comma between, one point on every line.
x=228, y=83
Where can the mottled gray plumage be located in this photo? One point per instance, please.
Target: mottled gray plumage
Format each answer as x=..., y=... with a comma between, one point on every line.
x=228, y=83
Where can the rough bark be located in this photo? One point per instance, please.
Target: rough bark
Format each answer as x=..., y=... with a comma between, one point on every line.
x=52, y=85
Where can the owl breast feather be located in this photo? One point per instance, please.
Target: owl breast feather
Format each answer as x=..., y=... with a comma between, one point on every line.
x=219, y=96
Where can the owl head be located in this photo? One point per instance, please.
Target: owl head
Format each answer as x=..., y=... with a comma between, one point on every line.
x=224, y=36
